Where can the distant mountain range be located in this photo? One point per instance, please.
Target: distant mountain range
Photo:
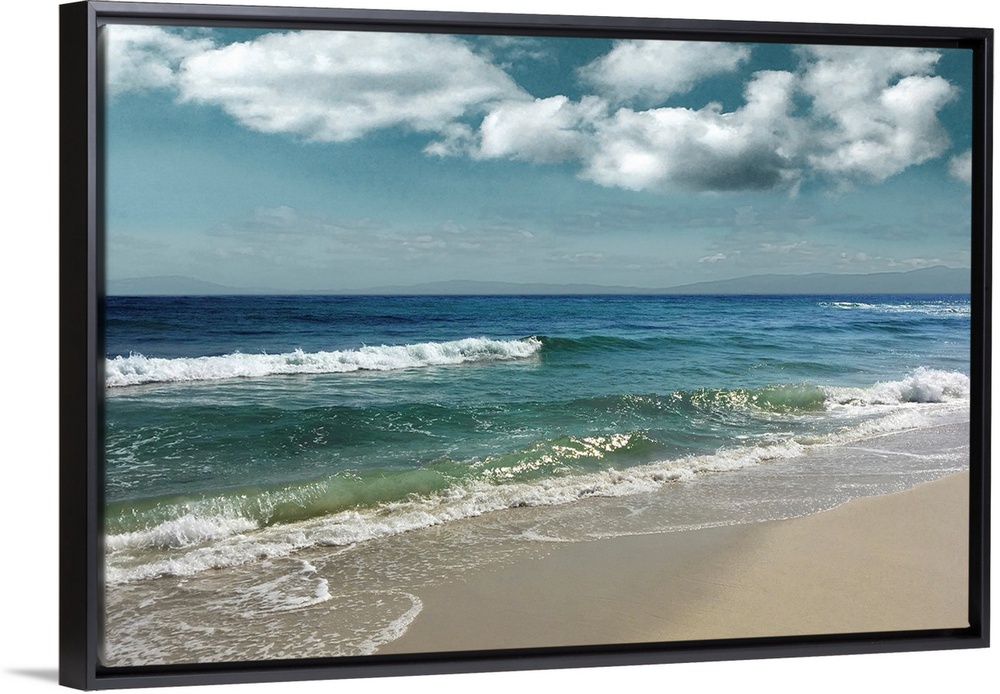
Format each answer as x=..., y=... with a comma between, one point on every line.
x=178, y=285
x=932, y=280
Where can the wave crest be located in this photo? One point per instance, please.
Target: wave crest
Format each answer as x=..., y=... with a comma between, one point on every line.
x=922, y=386
x=946, y=309
x=137, y=369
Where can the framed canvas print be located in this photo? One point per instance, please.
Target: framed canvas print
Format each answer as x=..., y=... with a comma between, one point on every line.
x=414, y=342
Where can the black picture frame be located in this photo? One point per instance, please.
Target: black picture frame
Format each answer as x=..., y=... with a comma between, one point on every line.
x=81, y=295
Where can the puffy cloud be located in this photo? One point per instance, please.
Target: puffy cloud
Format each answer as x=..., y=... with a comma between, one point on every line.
x=507, y=50
x=876, y=108
x=543, y=130
x=145, y=57
x=838, y=74
x=847, y=113
x=338, y=86
x=750, y=148
x=649, y=72
x=707, y=149
x=323, y=86
x=960, y=166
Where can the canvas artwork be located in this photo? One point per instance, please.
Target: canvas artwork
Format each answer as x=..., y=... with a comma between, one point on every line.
x=429, y=342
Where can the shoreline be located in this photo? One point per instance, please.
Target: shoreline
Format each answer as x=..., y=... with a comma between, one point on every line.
x=703, y=559
x=887, y=563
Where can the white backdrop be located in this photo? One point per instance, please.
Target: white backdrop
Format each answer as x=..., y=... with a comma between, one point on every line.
x=29, y=457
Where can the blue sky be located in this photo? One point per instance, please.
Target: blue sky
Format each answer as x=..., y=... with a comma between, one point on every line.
x=339, y=160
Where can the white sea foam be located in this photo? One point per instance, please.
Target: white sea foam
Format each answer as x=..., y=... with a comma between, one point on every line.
x=348, y=527
x=137, y=369
x=465, y=501
x=930, y=308
x=190, y=529
x=300, y=589
x=922, y=386
x=395, y=629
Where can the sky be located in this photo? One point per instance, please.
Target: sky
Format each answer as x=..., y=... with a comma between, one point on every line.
x=331, y=160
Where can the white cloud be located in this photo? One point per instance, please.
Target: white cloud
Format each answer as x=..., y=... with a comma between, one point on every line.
x=960, y=166
x=750, y=148
x=585, y=258
x=914, y=263
x=145, y=57
x=880, y=105
x=785, y=248
x=651, y=71
x=846, y=113
x=456, y=140
x=868, y=113
x=543, y=130
x=506, y=50
x=712, y=258
x=708, y=149
x=338, y=86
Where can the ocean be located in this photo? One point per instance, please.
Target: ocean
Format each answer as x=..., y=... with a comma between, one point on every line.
x=283, y=472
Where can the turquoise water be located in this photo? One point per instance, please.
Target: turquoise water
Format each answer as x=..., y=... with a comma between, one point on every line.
x=334, y=420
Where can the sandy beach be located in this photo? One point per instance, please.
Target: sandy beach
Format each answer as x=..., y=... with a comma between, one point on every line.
x=894, y=562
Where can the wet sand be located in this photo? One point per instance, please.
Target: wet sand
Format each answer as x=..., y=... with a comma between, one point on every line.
x=894, y=562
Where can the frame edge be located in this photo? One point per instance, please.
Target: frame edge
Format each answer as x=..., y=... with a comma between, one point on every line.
x=77, y=250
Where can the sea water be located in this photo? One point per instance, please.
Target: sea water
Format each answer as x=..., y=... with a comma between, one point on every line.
x=311, y=460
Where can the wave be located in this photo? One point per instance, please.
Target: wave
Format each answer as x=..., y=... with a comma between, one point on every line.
x=922, y=386
x=195, y=534
x=930, y=308
x=137, y=369
x=186, y=521
x=356, y=506
x=593, y=431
